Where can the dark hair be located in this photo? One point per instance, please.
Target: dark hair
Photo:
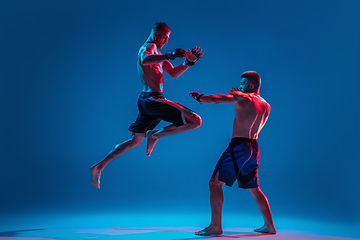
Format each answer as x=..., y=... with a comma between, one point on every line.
x=161, y=26
x=253, y=77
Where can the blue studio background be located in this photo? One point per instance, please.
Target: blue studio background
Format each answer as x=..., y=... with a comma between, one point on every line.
x=69, y=87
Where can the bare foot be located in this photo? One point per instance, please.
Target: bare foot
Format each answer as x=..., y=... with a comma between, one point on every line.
x=210, y=230
x=95, y=176
x=266, y=229
x=151, y=140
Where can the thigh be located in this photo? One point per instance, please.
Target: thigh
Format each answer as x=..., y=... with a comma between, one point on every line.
x=166, y=110
x=248, y=176
x=142, y=124
x=191, y=116
x=225, y=170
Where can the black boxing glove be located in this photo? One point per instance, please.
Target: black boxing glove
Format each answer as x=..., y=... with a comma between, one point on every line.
x=196, y=54
x=177, y=53
x=196, y=96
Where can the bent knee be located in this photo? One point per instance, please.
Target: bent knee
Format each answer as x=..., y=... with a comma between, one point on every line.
x=215, y=183
x=196, y=121
x=135, y=141
x=135, y=144
x=255, y=191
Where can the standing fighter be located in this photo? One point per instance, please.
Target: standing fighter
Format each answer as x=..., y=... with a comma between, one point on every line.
x=153, y=106
x=240, y=160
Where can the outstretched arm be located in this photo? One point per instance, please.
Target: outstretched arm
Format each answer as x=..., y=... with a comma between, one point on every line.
x=218, y=98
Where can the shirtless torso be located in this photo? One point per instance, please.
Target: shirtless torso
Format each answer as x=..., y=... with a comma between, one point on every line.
x=151, y=63
x=251, y=114
x=151, y=76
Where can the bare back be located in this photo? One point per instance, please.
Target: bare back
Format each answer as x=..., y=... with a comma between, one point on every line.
x=251, y=114
x=151, y=76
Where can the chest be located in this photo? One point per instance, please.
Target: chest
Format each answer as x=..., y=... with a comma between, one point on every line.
x=158, y=68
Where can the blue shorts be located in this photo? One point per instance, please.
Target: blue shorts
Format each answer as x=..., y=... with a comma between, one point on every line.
x=240, y=161
x=154, y=107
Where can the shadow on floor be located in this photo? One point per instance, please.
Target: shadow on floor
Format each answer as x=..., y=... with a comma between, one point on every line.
x=18, y=232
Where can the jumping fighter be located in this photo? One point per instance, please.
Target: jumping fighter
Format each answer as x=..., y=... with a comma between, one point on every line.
x=240, y=161
x=153, y=106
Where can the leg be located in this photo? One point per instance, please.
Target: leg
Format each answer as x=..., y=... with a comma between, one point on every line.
x=216, y=202
x=264, y=207
x=193, y=121
x=119, y=149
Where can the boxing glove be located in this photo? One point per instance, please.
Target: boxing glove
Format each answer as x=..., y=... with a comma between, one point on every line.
x=177, y=53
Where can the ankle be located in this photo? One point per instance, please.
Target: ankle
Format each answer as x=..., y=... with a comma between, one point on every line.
x=215, y=225
x=270, y=226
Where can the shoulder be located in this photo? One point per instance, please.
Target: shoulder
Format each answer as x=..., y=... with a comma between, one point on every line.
x=240, y=96
x=264, y=102
x=148, y=47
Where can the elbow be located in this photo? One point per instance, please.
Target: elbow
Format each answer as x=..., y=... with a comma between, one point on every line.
x=174, y=75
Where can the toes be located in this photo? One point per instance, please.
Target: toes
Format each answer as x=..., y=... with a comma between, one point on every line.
x=264, y=230
x=204, y=233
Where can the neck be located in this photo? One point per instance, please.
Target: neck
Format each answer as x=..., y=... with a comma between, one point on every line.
x=150, y=39
x=254, y=91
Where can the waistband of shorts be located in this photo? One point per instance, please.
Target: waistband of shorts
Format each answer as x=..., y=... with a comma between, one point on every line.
x=240, y=140
x=151, y=94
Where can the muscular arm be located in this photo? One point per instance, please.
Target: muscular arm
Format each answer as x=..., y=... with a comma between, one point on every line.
x=153, y=59
x=220, y=98
x=174, y=71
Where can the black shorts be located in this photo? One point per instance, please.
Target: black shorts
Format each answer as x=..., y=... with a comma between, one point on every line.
x=240, y=162
x=154, y=107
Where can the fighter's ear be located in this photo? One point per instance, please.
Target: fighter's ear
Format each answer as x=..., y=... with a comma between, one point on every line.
x=251, y=86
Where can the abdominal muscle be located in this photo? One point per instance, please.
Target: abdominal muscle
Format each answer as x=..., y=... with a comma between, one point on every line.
x=152, y=77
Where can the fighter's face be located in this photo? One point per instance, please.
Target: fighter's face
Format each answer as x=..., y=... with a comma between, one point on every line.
x=161, y=38
x=244, y=85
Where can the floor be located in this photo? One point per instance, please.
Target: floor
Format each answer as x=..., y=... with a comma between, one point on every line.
x=151, y=226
